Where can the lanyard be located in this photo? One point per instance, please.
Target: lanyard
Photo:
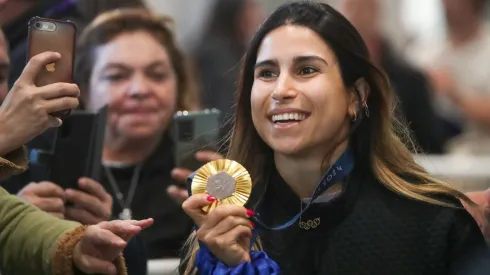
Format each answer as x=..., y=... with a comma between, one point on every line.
x=338, y=171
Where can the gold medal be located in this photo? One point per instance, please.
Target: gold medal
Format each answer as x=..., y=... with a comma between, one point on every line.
x=226, y=180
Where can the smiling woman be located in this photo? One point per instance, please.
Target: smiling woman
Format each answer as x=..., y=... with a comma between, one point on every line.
x=335, y=190
x=302, y=80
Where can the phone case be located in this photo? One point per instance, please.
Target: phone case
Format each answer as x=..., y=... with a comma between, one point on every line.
x=62, y=39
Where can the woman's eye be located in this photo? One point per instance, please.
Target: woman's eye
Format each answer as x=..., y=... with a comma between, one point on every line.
x=115, y=77
x=267, y=74
x=157, y=76
x=308, y=71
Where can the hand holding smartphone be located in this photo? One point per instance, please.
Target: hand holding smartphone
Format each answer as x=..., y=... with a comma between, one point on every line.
x=194, y=132
x=49, y=35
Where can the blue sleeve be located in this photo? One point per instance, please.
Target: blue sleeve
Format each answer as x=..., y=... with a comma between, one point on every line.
x=260, y=264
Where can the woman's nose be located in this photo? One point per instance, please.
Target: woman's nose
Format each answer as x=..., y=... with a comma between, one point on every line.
x=139, y=87
x=285, y=88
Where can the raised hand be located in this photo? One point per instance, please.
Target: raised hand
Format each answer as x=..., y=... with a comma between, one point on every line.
x=103, y=243
x=226, y=231
x=31, y=106
x=47, y=196
x=91, y=204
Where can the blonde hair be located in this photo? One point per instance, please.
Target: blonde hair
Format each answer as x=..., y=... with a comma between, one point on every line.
x=378, y=142
x=111, y=24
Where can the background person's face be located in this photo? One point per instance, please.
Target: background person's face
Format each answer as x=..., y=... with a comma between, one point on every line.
x=134, y=75
x=363, y=14
x=251, y=18
x=457, y=11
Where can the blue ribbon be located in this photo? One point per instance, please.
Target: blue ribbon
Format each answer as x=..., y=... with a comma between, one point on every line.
x=260, y=264
x=337, y=172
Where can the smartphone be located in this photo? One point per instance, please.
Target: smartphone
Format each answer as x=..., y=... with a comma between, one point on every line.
x=193, y=132
x=56, y=36
x=78, y=147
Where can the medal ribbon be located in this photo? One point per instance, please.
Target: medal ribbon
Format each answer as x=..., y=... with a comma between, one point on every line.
x=337, y=172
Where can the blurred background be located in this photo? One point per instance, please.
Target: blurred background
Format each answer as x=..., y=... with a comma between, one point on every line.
x=403, y=21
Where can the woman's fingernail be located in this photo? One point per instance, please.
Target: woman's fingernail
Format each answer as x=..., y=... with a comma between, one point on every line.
x=250, y=213
x=210, y=198
x=253, y=224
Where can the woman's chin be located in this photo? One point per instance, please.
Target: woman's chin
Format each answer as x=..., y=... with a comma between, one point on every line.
x=287, y=149
x=141, y=133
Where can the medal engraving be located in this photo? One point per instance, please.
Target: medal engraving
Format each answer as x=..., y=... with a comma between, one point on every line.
x=221, y=185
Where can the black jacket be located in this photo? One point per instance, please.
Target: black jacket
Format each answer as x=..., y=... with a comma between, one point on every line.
x=369, y=229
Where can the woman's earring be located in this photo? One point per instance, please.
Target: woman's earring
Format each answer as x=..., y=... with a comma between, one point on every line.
x=366, y=109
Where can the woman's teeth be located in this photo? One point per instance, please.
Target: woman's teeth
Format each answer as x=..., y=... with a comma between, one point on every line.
x=288, y=117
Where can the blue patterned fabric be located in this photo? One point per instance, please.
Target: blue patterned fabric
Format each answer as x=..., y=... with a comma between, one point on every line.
x=260, y=264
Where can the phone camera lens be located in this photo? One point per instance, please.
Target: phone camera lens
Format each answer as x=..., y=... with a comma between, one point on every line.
x=38, y=25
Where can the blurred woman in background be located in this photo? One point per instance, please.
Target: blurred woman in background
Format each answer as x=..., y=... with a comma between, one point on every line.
x=129, y=60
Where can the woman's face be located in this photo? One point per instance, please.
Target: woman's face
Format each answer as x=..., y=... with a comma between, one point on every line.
x=298, y=100
x=133, y=74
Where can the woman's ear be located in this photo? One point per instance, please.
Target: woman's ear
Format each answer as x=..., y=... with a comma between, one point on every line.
x=362, y=87
x=360, y=92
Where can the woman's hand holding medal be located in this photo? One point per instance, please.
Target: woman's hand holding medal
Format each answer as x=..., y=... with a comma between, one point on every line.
x=226, y=230
x=220, y=189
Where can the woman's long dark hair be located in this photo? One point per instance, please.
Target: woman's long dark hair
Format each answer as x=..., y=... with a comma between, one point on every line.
x=377, y=142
